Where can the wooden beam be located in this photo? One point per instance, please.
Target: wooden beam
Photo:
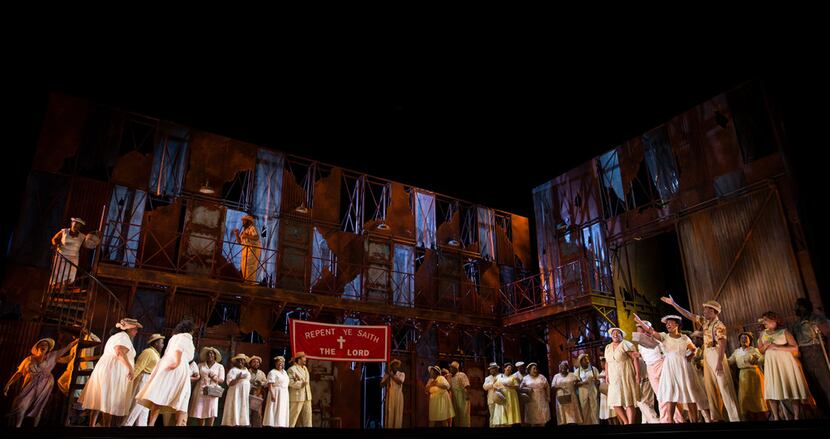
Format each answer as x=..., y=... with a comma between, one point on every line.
x=544, y=312
x=214, y=286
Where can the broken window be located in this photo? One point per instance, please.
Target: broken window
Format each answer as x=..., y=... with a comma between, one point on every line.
x=351, y=203
x=322, y=258
x=661, y=163
x=425, y=219
x=596, y=257
x=169, y=164
x=267, y=198
x=240, y=191
x=123, y=229
x=224, y=312
x=403, y=275
x=486, y=233
x=469, y=235
x=377, y=199
x=613, y=195
x=352, y=290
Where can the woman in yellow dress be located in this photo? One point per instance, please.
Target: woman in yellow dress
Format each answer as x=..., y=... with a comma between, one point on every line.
x=440, y=404
x=747, y=358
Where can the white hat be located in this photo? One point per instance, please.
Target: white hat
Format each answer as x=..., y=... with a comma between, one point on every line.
x=671, y=317
x=79, y=221
x=520, y=364
x=610, y=330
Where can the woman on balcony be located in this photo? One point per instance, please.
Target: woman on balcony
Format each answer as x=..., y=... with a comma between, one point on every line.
x=36, y=371
x=168, y=389
x=108, y=388
x=251, y=248
x=623, y=373
x=68, y=243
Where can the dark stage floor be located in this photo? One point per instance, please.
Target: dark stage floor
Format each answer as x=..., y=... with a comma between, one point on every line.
x=781, y=430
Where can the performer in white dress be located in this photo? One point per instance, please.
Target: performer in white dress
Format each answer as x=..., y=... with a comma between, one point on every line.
x=537, y=409
x=563, y=385
x=168, y=389
x=237, y=411
x=276, y=398
x=109, y=387
x=588, y=390
x=203, y=407
x=677, y=377
x=68, y=243
x=784, y=379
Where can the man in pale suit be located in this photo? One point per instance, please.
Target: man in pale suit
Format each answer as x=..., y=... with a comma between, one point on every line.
x=299, y=393
x=490, y=387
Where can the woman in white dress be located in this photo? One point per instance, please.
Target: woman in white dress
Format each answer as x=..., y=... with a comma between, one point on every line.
x=109, y=387
x=68, y=243
x=203, y=407
x=563, y=385
x=236, y=412
x=783, y=377
x=276, y=400
x=623, y=374
x=677, y=377
x=392, y=382
x=588, y=389
x=440, y=403
x=168, y=389
x=537, y=409
x=605, y=413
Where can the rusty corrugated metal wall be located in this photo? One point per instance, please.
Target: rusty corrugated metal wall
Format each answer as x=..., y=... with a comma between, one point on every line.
x=765, y=277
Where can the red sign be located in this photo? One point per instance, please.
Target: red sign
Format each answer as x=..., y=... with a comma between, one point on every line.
x=323, y=341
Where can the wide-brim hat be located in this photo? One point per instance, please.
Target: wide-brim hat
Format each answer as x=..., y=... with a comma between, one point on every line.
x=395, y=362
x=610, y=330
x=242, y=357
x=493, y=366
x=128, y=323
x=672, y=317
x=255, y=357
x=581, y=356
x=297, y=356
x=48, y=340
x=78, y=220
x=155, y=337
x=203, y=353
x=519, y=364
x=712, y=304
x=529, y=365
x=279, y=358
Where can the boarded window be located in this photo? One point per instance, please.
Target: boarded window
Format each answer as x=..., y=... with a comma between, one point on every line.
x=403, y=276
x=486, y=233
x=661, y=163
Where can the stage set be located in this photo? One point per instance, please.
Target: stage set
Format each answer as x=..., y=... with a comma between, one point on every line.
x=164, y=275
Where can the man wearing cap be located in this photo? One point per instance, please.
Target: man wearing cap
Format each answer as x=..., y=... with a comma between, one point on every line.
x=810, y=332
x=491, y=385
x=144, y=365
x=460, y=386
x=68, y=243
x=258, y=382
x=299, y=392
x=392, y=382
x=251, y=248
x=717, y=378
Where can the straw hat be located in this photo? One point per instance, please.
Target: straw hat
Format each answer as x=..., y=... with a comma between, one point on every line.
x=203, y=354
x=616, y=329
x=155, y=337
x=242, y=357
x=712, y=304
x=49, y=341
x=79, y=221
x=128, y=323
x=395, y=362
x=672, y=317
